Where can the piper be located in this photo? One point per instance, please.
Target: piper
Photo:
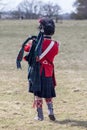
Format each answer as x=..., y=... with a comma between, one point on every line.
x=41, y=76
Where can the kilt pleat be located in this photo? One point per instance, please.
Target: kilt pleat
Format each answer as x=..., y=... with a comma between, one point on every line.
x=47, y=87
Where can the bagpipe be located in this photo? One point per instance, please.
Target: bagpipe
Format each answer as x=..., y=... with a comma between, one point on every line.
x=21, y=52
x=34, y=65
x=34, y=51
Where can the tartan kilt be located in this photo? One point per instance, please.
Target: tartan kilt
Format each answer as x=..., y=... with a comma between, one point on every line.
x=47, y=87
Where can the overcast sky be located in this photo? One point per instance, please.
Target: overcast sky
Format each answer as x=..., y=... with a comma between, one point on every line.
x=66, y=5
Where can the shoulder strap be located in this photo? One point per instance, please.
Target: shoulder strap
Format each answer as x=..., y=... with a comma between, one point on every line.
x=47, y=50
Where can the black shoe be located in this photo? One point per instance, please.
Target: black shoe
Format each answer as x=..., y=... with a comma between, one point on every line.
x=52, y=117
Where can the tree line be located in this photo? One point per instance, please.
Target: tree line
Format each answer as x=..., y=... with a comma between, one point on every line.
x=33, y=9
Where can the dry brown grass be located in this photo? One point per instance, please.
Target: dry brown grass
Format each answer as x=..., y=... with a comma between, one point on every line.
x=70, y=105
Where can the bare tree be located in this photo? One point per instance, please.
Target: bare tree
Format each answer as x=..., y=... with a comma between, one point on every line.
x=56, y=9
x=50, y=10
x=28, y=7
x=47, y=9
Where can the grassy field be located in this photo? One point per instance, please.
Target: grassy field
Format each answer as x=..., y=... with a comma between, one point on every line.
x=70, y=105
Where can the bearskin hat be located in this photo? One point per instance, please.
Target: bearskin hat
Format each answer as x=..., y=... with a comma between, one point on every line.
x=47, y=25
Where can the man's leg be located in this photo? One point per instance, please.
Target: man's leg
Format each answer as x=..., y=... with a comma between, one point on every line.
x=38, y=104
x=50, y=108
